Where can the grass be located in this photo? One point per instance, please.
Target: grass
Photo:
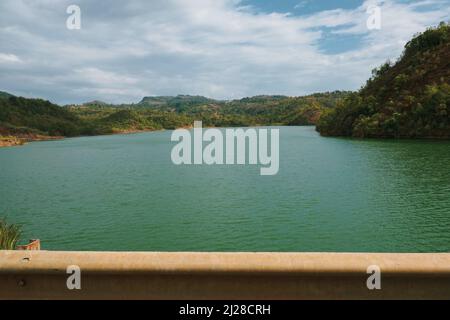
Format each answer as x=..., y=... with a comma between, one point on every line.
x=9, y=235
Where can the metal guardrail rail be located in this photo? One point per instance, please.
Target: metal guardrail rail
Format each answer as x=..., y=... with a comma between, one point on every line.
x=192, y=275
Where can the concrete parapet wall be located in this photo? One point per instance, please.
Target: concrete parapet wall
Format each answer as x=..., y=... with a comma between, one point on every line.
x=163, y=275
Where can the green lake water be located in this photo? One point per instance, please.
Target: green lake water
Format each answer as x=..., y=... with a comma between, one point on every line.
x=122, y=192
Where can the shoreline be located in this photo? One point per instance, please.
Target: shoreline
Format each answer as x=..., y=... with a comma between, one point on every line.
x=20, y=140
x=12, y=140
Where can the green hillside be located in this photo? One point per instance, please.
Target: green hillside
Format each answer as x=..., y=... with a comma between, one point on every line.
x=29, y=117
x=406, y=99
x=5, y=95
x=22, y=115
x=178, y=103
x=181, y=111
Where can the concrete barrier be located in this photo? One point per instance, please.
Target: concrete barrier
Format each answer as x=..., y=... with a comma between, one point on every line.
x=188, y=275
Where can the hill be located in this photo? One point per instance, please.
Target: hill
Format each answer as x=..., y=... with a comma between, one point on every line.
x=5, y=95
x=282, y=110
x=36, y=119
x=178, y=103
x=22, y=115
x=407, y=99
x=180, y=111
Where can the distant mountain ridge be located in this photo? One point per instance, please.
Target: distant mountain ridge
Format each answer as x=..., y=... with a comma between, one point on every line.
x=24, y=116
x=177, y=102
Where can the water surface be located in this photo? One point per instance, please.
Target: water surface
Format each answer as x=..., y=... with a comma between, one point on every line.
x=122, y=192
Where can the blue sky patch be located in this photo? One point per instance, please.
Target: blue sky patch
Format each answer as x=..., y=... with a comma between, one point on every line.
x=301, y=7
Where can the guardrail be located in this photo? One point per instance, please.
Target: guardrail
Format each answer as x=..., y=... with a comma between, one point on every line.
x=189, y=275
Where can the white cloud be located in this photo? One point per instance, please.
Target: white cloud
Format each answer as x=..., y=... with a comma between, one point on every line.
x=216, y=48
x=101, y=77
x=301, y=4
x=9, y=58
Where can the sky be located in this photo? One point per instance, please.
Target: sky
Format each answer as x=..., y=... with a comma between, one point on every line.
x=223, y=49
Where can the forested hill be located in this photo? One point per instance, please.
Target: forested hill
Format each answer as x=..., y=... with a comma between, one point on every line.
x=407, y=99
x=35, y=116
x=5, y=95
x=180, y=111
x=25, y=117
x=178, y=103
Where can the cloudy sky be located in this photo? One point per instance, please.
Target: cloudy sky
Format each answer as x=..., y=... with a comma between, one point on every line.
x=222, y=49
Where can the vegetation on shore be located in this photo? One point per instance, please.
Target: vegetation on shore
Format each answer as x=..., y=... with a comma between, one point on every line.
x=407, y=99
x=9, y=235
x=36, y=119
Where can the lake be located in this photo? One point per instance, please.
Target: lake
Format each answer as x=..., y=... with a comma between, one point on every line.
x=122, y=192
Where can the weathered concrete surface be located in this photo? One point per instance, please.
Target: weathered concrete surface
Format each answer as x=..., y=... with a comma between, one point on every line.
x=158, y=275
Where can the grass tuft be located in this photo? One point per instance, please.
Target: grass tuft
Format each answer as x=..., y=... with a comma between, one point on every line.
x=9, y=235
